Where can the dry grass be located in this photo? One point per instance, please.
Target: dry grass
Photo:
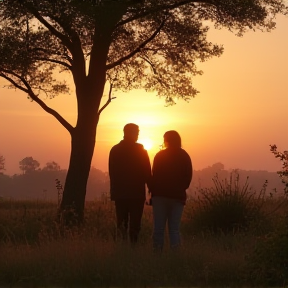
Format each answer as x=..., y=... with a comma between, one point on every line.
x=35, y=253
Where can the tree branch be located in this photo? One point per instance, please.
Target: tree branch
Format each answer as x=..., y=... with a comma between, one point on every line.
x=54, y=31
x=108, y=101
x=51, y=111
x=150, y=63
x=34, y=97
x=55, y=61
x=36, y=49
x=157, y=9
x=13, y=82
x=138, y=49
x=73, y=45
x=75, y=48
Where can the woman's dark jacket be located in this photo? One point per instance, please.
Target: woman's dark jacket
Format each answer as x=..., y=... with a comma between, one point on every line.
x=171, y=173
x=129, y=170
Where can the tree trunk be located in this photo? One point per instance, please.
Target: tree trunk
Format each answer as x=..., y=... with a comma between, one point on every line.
x=83, y=136
x=72, y=204
x=89, y=91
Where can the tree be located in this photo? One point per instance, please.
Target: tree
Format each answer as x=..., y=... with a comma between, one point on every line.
x=218, y=166
x=51, y=166
x=28, y=165
x=2, y=164
x=126, y=44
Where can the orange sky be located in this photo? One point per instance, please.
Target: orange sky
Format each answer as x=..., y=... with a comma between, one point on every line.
x=242, y=107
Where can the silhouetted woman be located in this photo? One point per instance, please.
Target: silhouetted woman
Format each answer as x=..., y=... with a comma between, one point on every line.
x=171, y=176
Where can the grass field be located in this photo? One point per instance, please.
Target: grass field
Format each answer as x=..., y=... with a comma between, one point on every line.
x=35, y=252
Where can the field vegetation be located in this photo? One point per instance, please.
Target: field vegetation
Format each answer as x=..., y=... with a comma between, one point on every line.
x=232, y=236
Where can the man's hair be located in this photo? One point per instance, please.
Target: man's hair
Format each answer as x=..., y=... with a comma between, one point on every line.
x=173, y=138
x=130, y=128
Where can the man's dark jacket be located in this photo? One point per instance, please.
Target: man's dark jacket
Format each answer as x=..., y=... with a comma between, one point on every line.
x=129, y=170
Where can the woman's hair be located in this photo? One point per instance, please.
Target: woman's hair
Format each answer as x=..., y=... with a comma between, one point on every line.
x=172, y=138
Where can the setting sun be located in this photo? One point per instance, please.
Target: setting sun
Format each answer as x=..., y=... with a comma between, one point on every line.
x=146, y=142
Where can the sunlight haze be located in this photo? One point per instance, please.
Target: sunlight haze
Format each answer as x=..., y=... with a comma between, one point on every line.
x=241, y=109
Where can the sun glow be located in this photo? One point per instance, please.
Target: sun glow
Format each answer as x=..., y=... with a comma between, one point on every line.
x=146, y=142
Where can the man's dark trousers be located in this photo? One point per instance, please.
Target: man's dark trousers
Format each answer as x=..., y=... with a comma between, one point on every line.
x=129, y=214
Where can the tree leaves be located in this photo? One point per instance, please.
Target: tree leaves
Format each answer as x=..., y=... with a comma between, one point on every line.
x=153, y=45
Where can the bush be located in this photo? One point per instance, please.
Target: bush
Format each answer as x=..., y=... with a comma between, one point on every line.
x=268, y=263
x=227, y=207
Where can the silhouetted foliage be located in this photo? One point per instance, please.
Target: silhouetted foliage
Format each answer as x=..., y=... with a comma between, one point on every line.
x=42, y=185
x=283, y=157
x=128, y=44
x=2, y=164
x=228, y=206
x=51, y=166
x=28, y=165
x=268, y=262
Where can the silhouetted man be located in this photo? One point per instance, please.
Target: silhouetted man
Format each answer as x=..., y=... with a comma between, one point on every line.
x=129, y=171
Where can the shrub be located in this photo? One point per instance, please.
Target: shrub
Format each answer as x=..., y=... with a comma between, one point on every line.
x=283, y=173
x=227, y=207
x=268, y=263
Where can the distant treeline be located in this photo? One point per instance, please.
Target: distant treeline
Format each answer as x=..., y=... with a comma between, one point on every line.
x=41, y=184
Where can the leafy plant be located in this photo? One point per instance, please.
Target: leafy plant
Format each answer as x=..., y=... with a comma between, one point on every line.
x=228, y=206
x=283, y=156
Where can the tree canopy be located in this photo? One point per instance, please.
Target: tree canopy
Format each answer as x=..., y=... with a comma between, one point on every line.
x=28, y=164
x=153, y=45
x=127, y=44
x=51, y=166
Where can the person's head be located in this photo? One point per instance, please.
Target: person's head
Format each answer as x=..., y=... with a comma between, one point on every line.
x=131, y=132
x=172, y=139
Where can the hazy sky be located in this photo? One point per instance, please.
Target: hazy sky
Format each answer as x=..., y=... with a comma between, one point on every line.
x=242, y=107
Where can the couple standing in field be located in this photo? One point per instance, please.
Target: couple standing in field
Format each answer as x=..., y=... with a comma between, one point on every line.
x=130, y=172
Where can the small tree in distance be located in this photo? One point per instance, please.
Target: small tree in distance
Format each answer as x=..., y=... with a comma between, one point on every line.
x=51, y=166
x=127, y=44
x=28, y=165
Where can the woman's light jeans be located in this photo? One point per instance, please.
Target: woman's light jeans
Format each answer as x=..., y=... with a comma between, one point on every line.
x=166, y=210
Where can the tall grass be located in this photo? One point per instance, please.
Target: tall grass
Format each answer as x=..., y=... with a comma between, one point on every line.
x=78, y=261
x=228, y=207
x=34, y=251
